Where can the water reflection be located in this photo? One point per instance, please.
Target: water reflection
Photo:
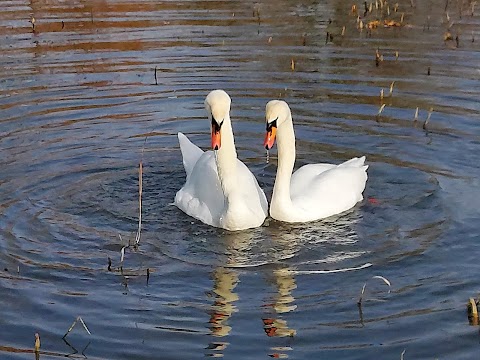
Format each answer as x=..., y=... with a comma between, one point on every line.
x=288, y=250
x=222, y=308
x=274, y=322
x=238, y=250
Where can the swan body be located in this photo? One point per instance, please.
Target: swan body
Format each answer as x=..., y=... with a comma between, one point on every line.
x=315, y=191
x=219, y=189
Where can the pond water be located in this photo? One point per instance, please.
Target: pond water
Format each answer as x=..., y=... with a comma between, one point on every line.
x=93, y=87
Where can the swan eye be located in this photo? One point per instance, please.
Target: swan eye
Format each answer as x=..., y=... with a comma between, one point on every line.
x=272, y=124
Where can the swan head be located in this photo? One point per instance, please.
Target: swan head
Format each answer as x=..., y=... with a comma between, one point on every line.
x=276, y=113
x=217, y=105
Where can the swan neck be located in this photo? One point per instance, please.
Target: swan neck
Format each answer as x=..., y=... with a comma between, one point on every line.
x=227, y=159
x=286, y=160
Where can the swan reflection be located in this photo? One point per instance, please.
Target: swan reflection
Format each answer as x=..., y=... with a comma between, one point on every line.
x=331, y=245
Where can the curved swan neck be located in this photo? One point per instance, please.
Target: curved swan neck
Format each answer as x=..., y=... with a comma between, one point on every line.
x=286, y=160
x=227, y=158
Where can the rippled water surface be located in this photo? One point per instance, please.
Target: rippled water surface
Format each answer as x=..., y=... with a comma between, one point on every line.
x=83, y=83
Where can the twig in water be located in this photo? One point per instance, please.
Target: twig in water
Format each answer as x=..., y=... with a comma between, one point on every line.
x=428, y=118
x=37, y=342
x=472, y=311
x=140, y=181
x=75, y=323
x=378, y=58
x=401, y=356
x=148, y=275
x=381, y=109
x=122, y=254
x=415, y=118
x=381, y=94
x=385, y=280
x=109, y=264
x=155, y=74
x=292, y=65
x=391, y=87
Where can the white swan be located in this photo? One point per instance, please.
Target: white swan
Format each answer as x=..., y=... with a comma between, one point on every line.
x=315, y=191
x=220, y=190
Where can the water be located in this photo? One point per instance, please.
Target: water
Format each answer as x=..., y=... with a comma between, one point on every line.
x=79, y=96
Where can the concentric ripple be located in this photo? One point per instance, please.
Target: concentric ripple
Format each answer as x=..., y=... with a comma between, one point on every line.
x=89, y=89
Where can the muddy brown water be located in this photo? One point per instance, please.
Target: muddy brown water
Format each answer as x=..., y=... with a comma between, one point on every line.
x=78, y=97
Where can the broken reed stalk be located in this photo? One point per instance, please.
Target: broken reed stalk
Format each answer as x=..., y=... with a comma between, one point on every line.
x=139, y=229
x=37, y=342
x=472, y=310
x=391, y=87
x=381, y=109
x=428, y=118
x=75, y=323
x=140, y=181
x=385, y=280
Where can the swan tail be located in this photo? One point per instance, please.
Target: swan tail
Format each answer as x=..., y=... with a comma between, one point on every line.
x=356, y=162
x=190, y=153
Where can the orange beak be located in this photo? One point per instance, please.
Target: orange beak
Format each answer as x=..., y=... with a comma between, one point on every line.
x=270, y=135
x=216, y=137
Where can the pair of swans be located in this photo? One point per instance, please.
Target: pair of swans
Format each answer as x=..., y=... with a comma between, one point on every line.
x=221, y=191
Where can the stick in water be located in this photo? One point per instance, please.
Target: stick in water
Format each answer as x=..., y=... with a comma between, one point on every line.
x=385, y=280
x=75, y=323
x=140, y=181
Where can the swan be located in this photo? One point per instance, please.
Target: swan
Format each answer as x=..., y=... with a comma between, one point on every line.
x=315, y=191
x=219, y=189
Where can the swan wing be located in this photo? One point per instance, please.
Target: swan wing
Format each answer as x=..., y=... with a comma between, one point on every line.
x=190, y=153
x=322, y=190
x=202, y=197
x=304, y=176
